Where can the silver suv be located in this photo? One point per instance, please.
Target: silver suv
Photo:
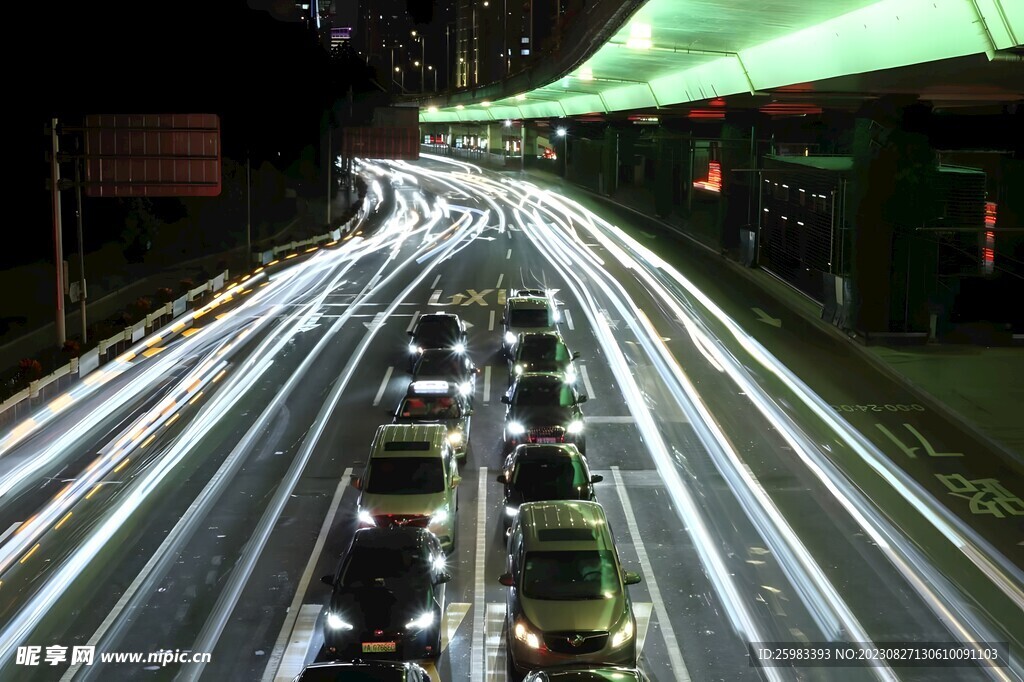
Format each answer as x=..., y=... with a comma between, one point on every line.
x=527, y=311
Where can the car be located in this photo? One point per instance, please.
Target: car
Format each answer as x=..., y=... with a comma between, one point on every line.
x=411, y=479
x=388, y=596
x=542, y=352
x=543, y=408
x=567, y=601
x=437, y=330
x=533, y=473
x=363, y=671
x=445, y=365
x=526, y=310
x=584, y=673
x=438, y=402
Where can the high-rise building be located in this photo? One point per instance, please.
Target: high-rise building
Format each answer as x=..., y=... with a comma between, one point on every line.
x=413, y=58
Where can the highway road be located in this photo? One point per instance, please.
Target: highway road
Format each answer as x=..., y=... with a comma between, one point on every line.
x=189, y=496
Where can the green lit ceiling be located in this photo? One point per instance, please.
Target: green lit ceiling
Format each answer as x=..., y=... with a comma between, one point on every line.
x=677, y=51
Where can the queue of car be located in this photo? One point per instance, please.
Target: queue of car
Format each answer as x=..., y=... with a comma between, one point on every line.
x=568, y=612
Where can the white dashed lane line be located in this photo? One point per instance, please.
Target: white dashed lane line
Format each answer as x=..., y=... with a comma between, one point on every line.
x=383, y=386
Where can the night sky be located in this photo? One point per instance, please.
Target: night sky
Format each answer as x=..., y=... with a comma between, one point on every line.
x=269, y=80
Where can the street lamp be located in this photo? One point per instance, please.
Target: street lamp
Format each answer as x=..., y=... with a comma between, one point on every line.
x=562, y=132
x=430, y=67
x=423, y=58
x=399, y=70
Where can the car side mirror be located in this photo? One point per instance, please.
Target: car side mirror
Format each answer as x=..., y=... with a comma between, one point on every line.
x=582, y=399
x=502, y=478
x=357, y=483
x=327, y=580
x=456, y=480
x=505, y=399
x=506, y=580
x=596, y=478
x=443, y=578
x=576, y=355
x=631, y=578
x=469, y=412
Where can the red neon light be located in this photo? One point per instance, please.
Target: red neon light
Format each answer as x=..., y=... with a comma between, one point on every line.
x=706, y=113
x=714, y=181
x=990, y=214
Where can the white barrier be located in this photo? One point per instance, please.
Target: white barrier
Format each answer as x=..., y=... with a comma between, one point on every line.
x=92, y=359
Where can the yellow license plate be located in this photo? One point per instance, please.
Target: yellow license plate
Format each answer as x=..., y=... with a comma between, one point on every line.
x=379, y=647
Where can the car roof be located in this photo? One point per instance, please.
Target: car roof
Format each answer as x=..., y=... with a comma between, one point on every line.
x=528, y=302
x=529, y=291
x=588, y=673
x=431, y=388
x=394, y=537
x=328, y=670
x=540, y=377
x=550, y=333
x=564, y=525
x=436, y=316
x=396, y=435
x=535, y=450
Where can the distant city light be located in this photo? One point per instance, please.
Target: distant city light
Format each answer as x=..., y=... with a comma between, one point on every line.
x=508, y=123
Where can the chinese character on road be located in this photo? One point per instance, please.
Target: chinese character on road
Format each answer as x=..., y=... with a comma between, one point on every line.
x=82, y=654
x=56, y=654
x=986, y=495
x=28, y=655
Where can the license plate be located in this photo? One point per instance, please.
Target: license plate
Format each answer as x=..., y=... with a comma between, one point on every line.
x=547, y=440
x=379, y=647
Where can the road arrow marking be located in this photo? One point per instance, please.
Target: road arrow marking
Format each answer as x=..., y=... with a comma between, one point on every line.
x=765, y=317
x=469, y=325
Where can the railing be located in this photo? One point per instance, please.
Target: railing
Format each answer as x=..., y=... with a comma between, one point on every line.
x=264, y=257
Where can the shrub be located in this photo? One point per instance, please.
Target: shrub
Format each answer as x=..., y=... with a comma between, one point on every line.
x=165, y=295
x=29, y=369
x=72, y=347
x=186, y=285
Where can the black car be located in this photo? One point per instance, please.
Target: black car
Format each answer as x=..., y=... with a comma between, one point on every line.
x=368, y=671
x=534, y=473
x=584, y=673
x=437, y=402
x=388, y=599
x=543, y=408
x=447, y=365
x=437, y=330
x=542, y=352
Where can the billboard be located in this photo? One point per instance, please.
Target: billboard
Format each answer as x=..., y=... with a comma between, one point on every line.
x=381, y=143
x=152, y=155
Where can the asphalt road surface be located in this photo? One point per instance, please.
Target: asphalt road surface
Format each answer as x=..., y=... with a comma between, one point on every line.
x=188, y=497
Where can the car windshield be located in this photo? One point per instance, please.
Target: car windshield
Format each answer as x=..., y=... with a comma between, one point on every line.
x=439, y=331
x=405, y=476
x=439, y=407
x=440, y=364
x=366, y=565
x=544, y=394
x=549, y=478
x=544, y=349
x=529, y=317
x=570, y=575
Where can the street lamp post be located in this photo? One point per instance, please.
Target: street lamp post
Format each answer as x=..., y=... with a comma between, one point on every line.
x=430, y=67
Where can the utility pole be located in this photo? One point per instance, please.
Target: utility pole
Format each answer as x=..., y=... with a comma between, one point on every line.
x=248, y=210
x=58, y=244
x=81, y=249
x=330, y=162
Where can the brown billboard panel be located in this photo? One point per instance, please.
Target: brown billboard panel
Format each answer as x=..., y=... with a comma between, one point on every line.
x=152, y=155
x=381, y=143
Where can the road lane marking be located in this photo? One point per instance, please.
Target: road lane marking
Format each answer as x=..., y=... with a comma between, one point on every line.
x=453, y=617
x=383, y=386
x=586, y=380
x=501, y=297
x=675, y=656
x=487, y=384
x=568, y=320
x=490, y=322
x=287, y=636
x=378, y=320
x=435, y=298
x=611, y=420
x=508, y=254
x=10, y=531
x=476, y=663
x=298, y=646
x=500, y=278
x=413, y=321
x=642, y=613
x=436, y=280
x=495, y=642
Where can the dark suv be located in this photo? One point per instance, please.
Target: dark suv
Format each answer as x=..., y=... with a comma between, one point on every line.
x=543, y=408
x=437, y=330
x=535, y=473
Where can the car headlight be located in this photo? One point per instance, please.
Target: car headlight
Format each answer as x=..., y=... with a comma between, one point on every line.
x=511, y=511
x=440, y=516
x=570, y=375
x=466, y=387
x=335, y=622
x=413, y=347
x=459, y=348
x=575, y=426
x=516, y=429
x=421, y=623
x=455, y=437
x=523, y=634
x=366, y=518
x=510, y=338
x=519, y=370
x=624, y=634
x=439, y=562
